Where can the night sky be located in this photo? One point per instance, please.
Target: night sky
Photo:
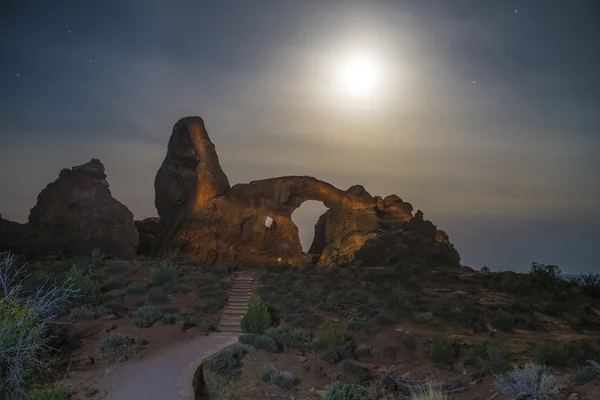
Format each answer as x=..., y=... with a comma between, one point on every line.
x=486, y=114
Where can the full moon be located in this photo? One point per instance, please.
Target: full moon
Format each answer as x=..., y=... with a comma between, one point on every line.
x=359, y=75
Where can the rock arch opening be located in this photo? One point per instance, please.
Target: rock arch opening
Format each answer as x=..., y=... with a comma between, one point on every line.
x=305, y=218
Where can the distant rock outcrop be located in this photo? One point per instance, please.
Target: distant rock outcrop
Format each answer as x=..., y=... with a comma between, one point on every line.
x=202, y=216
x=74, y=214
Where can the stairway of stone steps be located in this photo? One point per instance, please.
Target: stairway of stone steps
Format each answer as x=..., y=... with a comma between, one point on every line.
x=237, y=305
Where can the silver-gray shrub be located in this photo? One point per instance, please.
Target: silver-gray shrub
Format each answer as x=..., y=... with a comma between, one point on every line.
x=27, y=316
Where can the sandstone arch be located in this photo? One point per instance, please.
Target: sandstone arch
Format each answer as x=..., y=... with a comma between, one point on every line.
x=203, y=216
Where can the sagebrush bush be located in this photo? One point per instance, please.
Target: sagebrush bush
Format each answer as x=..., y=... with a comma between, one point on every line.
x=282, y=379
x=409, y=342
x=166, y=273
x=344, y=391
x=115, y=346
x=84, y=313
x=331, y=337
x=25, y=334
x=226, y=361
x=352, y=368
x=257, y=319
x=260, y=342
x=137, y=287
x=486, y=358
x=442, y=352
x=532, y=381
x=590, y=284
x=334, y=354
x=155, y=297
x=289, y=339
x=118, y=283
x=582, y=375
x=145, y=316
x=563, y=354
x=384, y=320
x=50, y=393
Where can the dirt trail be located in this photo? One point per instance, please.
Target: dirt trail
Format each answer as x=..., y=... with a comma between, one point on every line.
x=168, y=374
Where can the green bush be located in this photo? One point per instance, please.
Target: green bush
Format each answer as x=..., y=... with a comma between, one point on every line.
x=91, y=391
x=356, y=325
x=226, y=361
x=137, y=287
x=363, y=352
x=257, y=319
x=260, y=342
x=331, y=337
x=487, y=359
x=146, y=316
x=544, y=273
x=343, y=391
x=84, y=313
x=166, y=273
x=442, y=352
x=350, y=367
x=384, y=320
x=590, y=284
x=51, y=393
x=88, y=286
x=583, y=375
x=335, y=354
x=503, y=321
x=115, y=346
x=294, y=339
x=564, y=354
x=409, y=342
x=118, y=283
x=157, y=297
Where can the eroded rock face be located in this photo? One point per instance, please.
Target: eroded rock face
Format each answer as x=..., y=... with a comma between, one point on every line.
x=75, y=214
x=202, y=216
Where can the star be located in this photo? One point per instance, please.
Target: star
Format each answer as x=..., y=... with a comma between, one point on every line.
x=69, y=31
x=90, y=60
x=473, y=81
x=69, y=104
x=516, y=11
x=18, y=75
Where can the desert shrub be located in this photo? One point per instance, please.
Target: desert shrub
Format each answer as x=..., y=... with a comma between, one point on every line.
x=428, y=391
x=91, y=391
x=399, y=304
x=409, y=342
x=116, y=267
x=503, y=321
x=544, y=273
x=471, y=320
x=590, y=284
x=260, y=342
x=519, y=306
x=304, y=320
x=384, y=320
x=165, y=273
x=115, y=346
x=86, y=282
x=442, y=352
x=563, y=354
x=174, y=287
x=583, y=375
x=25, y=326
x=145, y=316
x=103, y=310
x=84, y=313
x=363, y=352
x=157, y=297
x=294, y=339
x=181, y=320
x=344, y=391
x=226, y=361
x=531, y=381
x=350, y=367
x=168, y=319
x=355, y=325
x=334, y=354
x=137, y=287
x=555, y=309
x=257, y=319
x=331, y=337
x=115, y=305
x=118, y=283
x=50, y=393
x=487, y=359
x=214, y=304
x=282, y=379
x=197, y=321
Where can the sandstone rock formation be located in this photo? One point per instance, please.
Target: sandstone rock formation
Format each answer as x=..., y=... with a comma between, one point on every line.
x=202, y=216
x=74, y=214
